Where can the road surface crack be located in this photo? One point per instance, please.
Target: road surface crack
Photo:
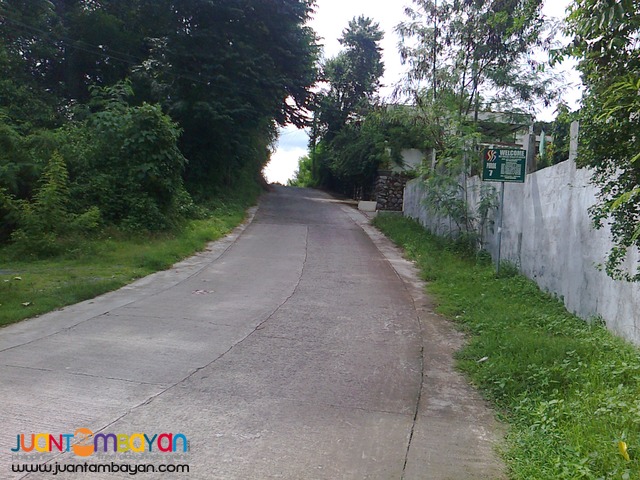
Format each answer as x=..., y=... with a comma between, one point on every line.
x=372, y=236
x=222, y=355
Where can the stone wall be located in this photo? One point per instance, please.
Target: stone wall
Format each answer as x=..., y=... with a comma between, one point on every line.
x=548, y=233
x=388, y=190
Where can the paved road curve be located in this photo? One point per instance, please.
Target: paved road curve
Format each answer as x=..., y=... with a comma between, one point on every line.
x=293, y=350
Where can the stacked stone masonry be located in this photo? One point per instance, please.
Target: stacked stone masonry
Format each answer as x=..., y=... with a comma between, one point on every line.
x=389, y=191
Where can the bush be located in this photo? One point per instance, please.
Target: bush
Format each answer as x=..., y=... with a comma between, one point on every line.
x=125, y=161
x=44, y=220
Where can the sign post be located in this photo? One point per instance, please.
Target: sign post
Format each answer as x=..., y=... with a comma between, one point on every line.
x=503, y=165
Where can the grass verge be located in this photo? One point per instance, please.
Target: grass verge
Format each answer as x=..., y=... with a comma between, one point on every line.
x=569, y=390
x=92, y=267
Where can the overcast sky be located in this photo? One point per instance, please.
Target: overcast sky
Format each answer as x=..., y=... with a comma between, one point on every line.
x=330, y=19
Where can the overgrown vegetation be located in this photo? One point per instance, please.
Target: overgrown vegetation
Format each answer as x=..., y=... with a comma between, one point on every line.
x=132, y=131
x=446, y=199
x=127, y=114
x=606, y=42
x=569, y=389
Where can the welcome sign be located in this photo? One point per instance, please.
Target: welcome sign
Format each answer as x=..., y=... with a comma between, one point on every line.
x=504, y=165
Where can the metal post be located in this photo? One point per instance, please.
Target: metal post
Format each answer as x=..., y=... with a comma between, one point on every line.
x=500, y=217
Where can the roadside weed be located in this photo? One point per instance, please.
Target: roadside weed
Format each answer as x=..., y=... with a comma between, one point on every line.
x=569, y=389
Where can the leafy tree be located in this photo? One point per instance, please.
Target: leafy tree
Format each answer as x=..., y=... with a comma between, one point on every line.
x=129, y=164
x=353, y=77
x=212, y=79
x=227, y=70
x=468, y=50
x=357, y=152
x=350, y=146
x=465, y=57
x=560, y=129
x=25, y=37
x=605, y=40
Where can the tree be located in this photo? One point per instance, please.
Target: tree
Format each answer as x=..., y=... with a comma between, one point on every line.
x=353, y=77
x=352, y=81
x=474, y=52
x=303, y=176
x=231, y=70
x=225, y=70
x=464, y=57
x=606, y=35
x=560, y=129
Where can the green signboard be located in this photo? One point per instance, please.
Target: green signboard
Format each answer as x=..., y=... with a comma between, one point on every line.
x=504, y=165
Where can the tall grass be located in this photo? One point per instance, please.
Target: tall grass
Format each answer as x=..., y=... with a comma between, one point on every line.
x=569, y=389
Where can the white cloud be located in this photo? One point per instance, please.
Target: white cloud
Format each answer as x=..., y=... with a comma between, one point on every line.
x=283, y=164
x=292, y=144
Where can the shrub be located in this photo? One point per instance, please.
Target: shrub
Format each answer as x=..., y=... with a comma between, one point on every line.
x=44, y=220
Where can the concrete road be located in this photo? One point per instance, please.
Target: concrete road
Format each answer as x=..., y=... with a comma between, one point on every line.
x=301, y=347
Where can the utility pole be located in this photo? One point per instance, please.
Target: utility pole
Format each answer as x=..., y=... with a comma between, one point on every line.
x=531, y=149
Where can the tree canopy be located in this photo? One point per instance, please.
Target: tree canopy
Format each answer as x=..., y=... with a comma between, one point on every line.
x=189, y=91
x=346, y=157
x=606, y=41
x=476, y=52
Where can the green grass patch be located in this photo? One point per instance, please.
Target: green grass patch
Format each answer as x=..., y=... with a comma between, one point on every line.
x=88, y=268
x=569, y=390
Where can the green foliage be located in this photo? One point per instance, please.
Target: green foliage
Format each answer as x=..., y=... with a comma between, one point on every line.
x=446, y=199
x=357, y=152
x=131, y=167
x=464, y=58
x=467, y=50
x=558, y=151
x=605, y=42
x=17, y=169
x=126, y=90
x=121, y=166
x=349, y=163
x=9, y=214
x=50, y=207
x=488, y=204
x=508, y=269
x=345, y=125
x=226, y=71
x=43, y=221
x=303, y=176
x=353, y=77
x=567, y=388
x=407, y=127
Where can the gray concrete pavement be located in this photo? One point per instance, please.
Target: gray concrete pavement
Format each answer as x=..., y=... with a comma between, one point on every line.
x=302, y=347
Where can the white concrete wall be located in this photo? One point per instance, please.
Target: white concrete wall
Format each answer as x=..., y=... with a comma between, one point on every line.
x=548, y=233
x=411, y=159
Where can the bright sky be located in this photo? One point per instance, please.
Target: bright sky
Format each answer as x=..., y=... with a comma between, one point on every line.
x=331, y=18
